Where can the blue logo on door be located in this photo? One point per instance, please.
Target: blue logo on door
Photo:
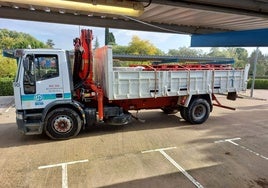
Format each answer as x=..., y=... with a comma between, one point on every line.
x=38, y=100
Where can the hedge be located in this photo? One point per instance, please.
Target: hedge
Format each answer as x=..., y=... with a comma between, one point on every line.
x=6, y=86
x=259, y=84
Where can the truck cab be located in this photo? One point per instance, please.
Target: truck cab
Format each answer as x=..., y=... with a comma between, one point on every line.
x=48, y=101
x=43, y=78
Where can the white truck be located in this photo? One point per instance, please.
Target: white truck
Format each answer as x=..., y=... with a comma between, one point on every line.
x=55, y=96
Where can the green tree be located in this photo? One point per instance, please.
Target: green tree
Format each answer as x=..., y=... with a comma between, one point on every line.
x=241, y=57
x=50, y=43
x=8, y=66
x=142, y=47
x=138, y=47
x=241, y=53
x=184, y=51
x=118, y=49
x=262, y=64
x=14, y=40
x=109, y=37
x=218, y=52
x=266, y=65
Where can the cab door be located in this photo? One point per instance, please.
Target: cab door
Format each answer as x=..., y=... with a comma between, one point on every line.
x=17, y=85
x=42, y=82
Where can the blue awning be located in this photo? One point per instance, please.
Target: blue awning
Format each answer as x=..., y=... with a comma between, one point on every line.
x=247, y=38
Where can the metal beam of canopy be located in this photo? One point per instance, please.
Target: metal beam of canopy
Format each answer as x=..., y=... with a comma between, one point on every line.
x=248, y=38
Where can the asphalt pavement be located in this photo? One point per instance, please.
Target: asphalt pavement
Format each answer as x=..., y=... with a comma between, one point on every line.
x=6, y=102
x=228, y=150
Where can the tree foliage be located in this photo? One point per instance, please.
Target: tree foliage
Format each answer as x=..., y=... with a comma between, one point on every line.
x=50, y=43
x=109, y=37
x=15, y=40
x=6, y=88
x=8, y=66
x=138, y=46
x=119, y=49
x=184, y=51
x=218, y=52
x=241, y=59
x=142, y=47
x=261, y=66
x=240, y=55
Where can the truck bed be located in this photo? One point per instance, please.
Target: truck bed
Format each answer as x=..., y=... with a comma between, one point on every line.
x=121, y=83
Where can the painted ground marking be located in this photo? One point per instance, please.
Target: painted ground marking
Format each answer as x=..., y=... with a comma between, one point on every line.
x=64, y=170
x=241, y=146
x=185, y=173
x=11, y=106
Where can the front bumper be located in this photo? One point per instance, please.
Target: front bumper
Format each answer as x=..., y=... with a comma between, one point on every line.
x=28, y=126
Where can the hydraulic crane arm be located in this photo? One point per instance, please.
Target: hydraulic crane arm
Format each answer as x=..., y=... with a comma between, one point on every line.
x=83, y=68
x=83, y=58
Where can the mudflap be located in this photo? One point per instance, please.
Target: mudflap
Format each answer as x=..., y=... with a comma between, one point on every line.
x=232, y=96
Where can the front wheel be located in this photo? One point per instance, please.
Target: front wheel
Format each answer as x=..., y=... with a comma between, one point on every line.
x=62, y=123
x=198, y=111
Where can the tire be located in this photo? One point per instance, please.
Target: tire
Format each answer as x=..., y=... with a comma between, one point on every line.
x=169, y=110
x=62, y=123
x=198, y=111
x=183, y=112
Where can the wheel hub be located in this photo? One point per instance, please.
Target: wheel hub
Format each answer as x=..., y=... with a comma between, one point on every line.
x=199, y=112
x=62, y=124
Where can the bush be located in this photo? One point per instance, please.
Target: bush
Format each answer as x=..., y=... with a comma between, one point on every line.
x=259, y=84
x=6, y=86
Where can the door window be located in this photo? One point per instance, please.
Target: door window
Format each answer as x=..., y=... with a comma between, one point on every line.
x=37, y=68
x=29, y=81
x=46, y=67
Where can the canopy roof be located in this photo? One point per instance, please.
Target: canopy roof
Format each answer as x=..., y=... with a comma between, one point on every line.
x=182, y=16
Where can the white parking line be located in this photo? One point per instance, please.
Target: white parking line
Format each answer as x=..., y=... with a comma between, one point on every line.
x=243, y=147
x=11, y=106
x=161, y=149
x=64, y=170
x=228, y=140
x=182, y=170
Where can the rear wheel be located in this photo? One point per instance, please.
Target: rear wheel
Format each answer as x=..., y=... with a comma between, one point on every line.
x=62, y=123
x=183, y=112
x=198, y=111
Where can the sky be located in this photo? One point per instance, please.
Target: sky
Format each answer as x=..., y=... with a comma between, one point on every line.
x=63, y=35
